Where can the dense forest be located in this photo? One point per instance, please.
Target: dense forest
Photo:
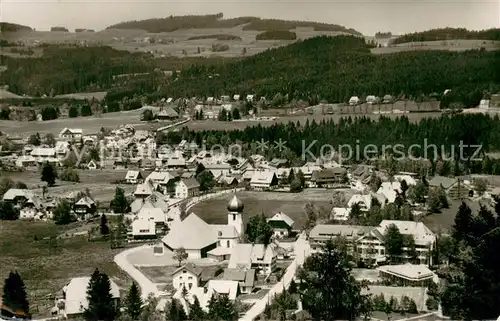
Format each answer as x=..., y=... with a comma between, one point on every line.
x=216, y=37
x=13, y=27
x=64, y=70
x=276, y=35
x=173, y=23
x=336, y=68
x=446, y=132
x=448, y=34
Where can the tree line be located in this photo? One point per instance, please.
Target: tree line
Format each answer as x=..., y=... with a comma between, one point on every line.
x=305, y=140
x=448, y=34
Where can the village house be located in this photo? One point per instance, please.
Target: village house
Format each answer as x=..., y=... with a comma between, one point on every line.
x=253, y=256
x=71, y=133
x=142, y=229
x=167, y=113
x=264, y=181
x=329, y=177
x=340, y=213
x=454, y=187
x=44, y=154
x=85, y=207
x=26, y=162
x=390, y=190
x=407, y=274
x=188, y=187
x=133, y=177
x=144, y=190
x=187, y=276
x=245, y=279
x=74, y=297
x=281, y=224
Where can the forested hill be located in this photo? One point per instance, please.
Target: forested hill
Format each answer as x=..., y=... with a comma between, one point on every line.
x=12, y=27
x=336, y=68
x=173, y=23
x=448, y=34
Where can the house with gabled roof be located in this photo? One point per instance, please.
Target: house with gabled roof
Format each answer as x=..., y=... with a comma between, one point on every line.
x=144, y=190
x=281, y=224
x=188, y=276
x=187, y=187
x=71, y=133
x=134, y=177
x=85, y=206
x=260, y=257
x=264, y=180
x=245, y=278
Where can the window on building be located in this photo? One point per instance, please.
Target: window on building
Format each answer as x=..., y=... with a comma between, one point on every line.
x=234, y=217
x=228, y=243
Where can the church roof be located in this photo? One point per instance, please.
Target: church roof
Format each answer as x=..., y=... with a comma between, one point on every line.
x=192, y=234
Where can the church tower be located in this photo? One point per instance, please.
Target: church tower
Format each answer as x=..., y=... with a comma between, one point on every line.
x=235, y=214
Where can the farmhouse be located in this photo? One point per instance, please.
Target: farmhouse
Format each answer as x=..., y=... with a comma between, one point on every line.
x=281, y=224
x=455, y=188
x=144, y=190
x=329, y=177
x=71, y=133
x=44, y=154
x=263, y=180
x=26, y=162
x=85, y=206
x=167, y=113
x=133, y=177
x=74, y=298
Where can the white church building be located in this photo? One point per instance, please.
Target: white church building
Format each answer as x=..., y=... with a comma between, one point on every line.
x=201, y=240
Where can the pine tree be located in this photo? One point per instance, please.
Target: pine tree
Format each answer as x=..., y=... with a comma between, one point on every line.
x=104, y=225
x=49, y=174
x=463, y=223
x=101, y=304
x=196, y=313
x=133, y=302
x=221, y=308
x=175, y=311
x=14, y=294
x=119, y=204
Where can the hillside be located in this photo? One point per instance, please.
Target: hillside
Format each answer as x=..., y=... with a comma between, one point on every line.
x=12, y=27
x=335, y=68
x=448, y=34
x=173, y=23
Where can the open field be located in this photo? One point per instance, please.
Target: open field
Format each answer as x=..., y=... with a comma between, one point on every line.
x=46, y=264
x=97, y=181
x=214, y=211
x=89, y=124
x=217, y=125
x=443, y=222
x=180, y=43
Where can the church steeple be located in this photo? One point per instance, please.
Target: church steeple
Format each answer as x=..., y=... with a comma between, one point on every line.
x=234, y=217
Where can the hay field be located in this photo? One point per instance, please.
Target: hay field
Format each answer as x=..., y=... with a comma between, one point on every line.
x=200, y=125
x=91, y=124
x=99, y=182
x=214, y=211
x=46, y=263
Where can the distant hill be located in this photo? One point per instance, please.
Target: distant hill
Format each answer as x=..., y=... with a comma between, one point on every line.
x=13, y=27
x=173, y=23
x=448, y=34
x=336, y=68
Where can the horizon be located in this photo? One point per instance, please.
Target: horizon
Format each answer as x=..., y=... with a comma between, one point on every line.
x=372, y=15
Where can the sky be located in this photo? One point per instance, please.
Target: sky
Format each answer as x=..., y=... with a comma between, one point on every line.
x=367, y=16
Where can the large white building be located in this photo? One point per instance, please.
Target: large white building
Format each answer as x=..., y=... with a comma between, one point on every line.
x=201, y=239
x=369, y=240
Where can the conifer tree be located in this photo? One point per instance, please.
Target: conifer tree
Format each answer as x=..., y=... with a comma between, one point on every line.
x=101, y=306
x=14, y=293
x=133, y=302
x=196, y=313
x=104, y=225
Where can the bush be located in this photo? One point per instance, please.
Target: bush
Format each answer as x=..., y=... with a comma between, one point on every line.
x=70, y=175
